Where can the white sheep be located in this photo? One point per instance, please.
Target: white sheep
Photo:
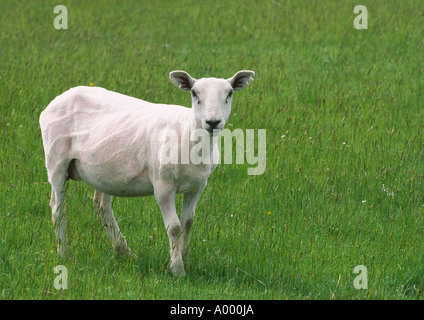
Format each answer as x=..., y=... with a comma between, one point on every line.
x=113, y=142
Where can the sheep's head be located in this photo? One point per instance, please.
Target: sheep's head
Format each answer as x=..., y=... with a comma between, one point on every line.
x=212, y=97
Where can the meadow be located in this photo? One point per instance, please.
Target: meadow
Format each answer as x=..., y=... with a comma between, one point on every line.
x=343, y=186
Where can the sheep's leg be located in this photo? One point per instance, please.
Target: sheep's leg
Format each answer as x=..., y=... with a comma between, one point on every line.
x=57, y=179
x=103, y=207
x=165, y=197
x=187, y=216
x=52, y=200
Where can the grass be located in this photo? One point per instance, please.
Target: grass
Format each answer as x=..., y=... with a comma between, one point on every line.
x=343, y=110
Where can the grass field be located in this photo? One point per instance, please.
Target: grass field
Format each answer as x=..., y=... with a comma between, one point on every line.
x=343, y=110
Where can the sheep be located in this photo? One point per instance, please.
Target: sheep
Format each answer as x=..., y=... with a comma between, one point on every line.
x=112, y=142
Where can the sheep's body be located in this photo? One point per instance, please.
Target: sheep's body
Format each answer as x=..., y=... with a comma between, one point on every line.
x=113, y=153
x=113, y=142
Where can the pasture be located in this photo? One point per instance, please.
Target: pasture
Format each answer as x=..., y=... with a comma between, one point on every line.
x=344, y=118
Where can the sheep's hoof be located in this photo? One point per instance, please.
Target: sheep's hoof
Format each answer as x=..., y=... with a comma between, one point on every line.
x=65, y=253
x=177, y=270
x=125, y=251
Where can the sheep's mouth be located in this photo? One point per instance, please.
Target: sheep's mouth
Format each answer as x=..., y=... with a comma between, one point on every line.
x=213, y=131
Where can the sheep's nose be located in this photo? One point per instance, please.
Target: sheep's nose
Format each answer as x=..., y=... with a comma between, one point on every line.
x=213, y=123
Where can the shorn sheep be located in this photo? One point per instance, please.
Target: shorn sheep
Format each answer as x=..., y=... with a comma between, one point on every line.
x=114, y=143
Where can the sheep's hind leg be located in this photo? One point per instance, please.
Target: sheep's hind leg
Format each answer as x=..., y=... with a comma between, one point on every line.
x=57, y=204
x=103, y=207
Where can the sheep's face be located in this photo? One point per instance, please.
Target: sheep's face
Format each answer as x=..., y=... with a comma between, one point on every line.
x=211, y=101
x=211, y=97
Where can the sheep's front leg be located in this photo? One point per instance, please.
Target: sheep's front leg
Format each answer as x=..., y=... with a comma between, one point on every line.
x=165, y=197
x=187, y=216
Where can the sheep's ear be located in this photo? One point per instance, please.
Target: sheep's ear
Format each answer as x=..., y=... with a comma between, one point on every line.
x=241, y=79
x=182, y=80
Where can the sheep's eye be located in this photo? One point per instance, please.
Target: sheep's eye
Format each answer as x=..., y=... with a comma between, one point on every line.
x=195, y=96
x=230, y=94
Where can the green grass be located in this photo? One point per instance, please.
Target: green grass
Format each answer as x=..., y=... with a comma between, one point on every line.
x=344, y=115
